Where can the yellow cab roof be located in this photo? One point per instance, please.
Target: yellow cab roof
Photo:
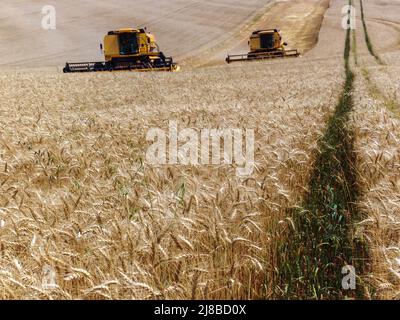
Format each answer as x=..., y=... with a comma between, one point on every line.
x=126, y=30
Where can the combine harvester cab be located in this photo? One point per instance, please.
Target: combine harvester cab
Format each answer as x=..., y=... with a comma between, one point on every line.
x=127, y=49
x=265, y=44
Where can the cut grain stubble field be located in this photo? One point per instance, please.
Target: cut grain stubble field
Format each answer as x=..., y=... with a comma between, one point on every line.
x=214, y=147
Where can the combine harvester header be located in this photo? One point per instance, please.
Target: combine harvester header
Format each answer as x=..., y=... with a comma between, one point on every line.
x=265, y=44
x=127, y=49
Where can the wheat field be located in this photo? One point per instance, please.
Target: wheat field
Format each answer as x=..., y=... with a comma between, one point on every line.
x=83, y=215
x=78, y=196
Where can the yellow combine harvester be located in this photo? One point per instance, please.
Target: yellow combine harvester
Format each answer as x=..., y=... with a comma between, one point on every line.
x=127, y=49
x=265, y=44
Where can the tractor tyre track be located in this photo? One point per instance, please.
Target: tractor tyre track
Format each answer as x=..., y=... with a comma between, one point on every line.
x=324, y=239
x=391, y=104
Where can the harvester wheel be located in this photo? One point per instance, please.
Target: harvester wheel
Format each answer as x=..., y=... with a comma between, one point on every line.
x=109, y=66
x=98, y=66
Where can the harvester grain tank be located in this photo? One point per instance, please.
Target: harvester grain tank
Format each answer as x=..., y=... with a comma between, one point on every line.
x=127, y=49
x=265, y=44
